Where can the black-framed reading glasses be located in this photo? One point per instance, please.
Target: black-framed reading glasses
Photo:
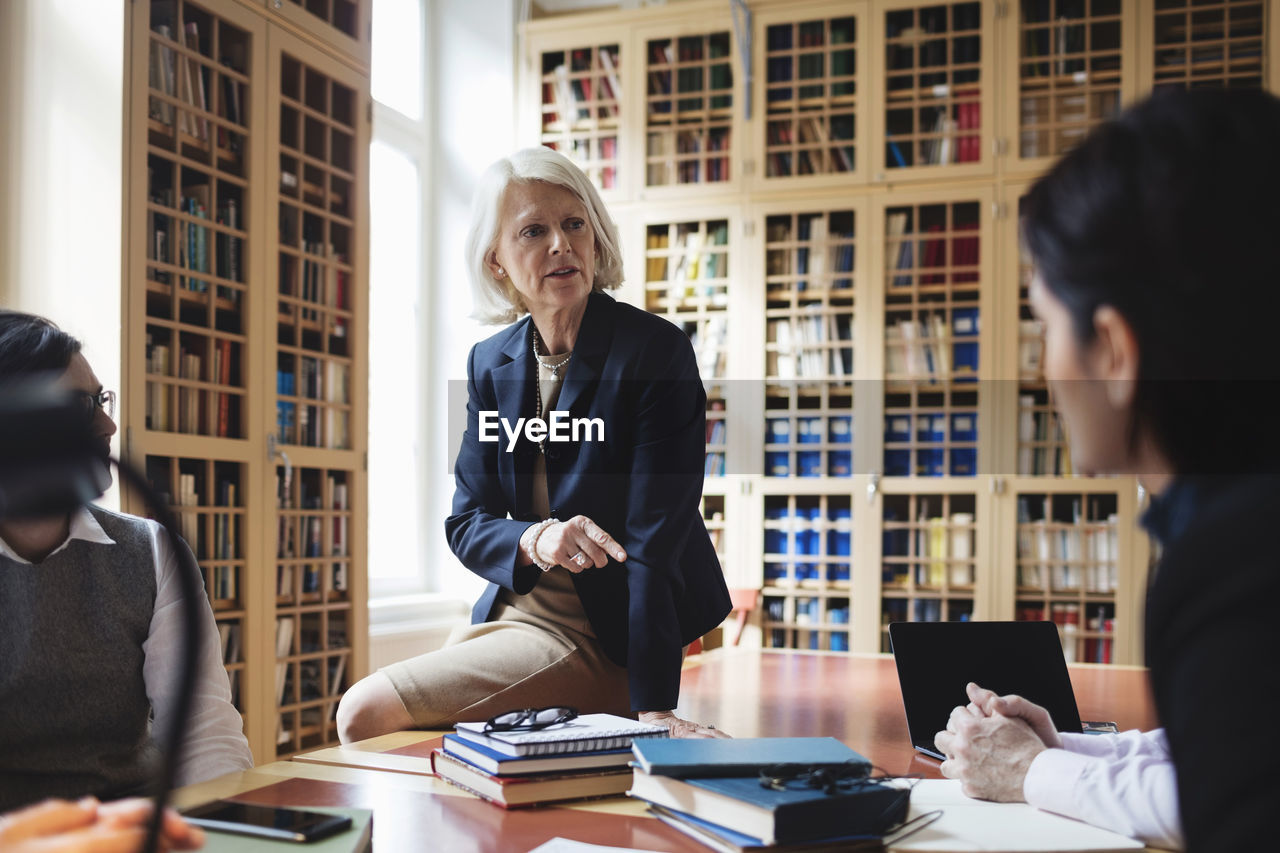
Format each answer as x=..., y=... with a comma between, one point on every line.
x=90, y=403
x=843, y=777
x=850, y=777
x=530, y=719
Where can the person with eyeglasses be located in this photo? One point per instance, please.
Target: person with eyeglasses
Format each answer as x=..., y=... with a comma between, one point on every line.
x=90, y=623
x=599, y=567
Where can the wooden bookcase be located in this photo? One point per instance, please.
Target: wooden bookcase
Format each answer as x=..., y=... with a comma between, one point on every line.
x=245, y=253
x=881, y=440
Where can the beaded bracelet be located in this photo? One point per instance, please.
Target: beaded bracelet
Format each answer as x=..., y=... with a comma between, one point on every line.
x=532, y=550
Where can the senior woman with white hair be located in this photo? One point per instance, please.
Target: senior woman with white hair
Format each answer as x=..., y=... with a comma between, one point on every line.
x=600, y=570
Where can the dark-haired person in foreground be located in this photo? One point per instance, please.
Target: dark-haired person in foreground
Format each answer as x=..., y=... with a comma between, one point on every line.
x=1157, y=278
x=90, y=622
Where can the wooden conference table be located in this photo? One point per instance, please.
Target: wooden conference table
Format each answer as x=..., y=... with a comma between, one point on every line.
x=745, y=692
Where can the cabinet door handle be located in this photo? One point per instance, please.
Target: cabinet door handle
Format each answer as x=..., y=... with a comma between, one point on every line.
x=873, y=486
x=274, y=451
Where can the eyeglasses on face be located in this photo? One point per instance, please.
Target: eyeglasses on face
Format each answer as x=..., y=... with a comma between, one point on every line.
x=529, y=719
x=89, y=403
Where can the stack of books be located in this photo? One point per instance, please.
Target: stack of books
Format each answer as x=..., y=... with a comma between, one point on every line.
x=744, y=794
x=587, y=757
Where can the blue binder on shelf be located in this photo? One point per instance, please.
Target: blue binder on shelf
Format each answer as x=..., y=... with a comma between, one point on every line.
x=964, y=353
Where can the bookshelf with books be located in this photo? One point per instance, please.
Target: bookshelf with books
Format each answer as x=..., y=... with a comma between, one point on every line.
x=340, y=27
x=1068, y=547
x=937, y=75
x=215, y=119
x=808, y=558
x=809, y=96
x=207, y=499
x=936, y=291
x=934, y=563
x=318, y=420
x=884, y=295
x=1042, y=444
x=1073, y=68
x=689, y=97
x=1219, y=44
x=578, y=100
x=580, y=109
x=687, y=280
x=313, y=603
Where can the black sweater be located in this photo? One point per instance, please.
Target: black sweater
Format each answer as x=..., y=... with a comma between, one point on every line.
x=1213, y=646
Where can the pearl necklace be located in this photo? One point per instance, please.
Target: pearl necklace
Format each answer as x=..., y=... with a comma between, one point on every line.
x=554, y=368
x=537, y=382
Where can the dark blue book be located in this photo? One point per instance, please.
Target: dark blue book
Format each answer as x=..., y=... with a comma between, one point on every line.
x=796, y=813
x=500, y=764
x=726, y=840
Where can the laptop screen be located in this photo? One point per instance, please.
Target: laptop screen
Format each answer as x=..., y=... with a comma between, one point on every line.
x=937, y=659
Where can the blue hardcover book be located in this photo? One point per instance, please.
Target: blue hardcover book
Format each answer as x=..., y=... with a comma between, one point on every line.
x=964, y=460
x=707, y=757
x=777, y=431
x=809, y=463
x=964, y=353
x=794, y=814
x=498, y=763
x=725, y=839
x=897, y=461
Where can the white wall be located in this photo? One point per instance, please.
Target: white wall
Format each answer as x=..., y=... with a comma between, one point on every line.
x=470, y=110
x=61, y=140
x=472, y=45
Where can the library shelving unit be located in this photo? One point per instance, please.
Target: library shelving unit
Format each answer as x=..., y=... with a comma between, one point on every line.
x=688, y=108
x=809, y=95
x=1219, y=44
x=1073, y=67
x=882, y=443
x=687, y=280
x=579, y=108
x=246, y=140
x=937, y=73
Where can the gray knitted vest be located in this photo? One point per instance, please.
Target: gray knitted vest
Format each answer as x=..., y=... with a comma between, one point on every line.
x=74, y=713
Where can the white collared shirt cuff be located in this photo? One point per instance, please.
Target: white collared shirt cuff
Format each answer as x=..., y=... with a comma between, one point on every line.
x=1052, y=778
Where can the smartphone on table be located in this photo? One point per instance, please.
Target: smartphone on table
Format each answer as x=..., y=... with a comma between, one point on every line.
x=1099, y=727
x=282, y=824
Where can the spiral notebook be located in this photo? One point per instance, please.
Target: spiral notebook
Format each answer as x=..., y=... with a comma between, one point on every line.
x=583, y=734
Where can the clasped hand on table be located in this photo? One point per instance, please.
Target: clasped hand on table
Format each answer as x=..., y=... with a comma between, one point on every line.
x=991, y=742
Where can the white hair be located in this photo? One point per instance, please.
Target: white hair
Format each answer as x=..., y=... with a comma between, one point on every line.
x=498, y=301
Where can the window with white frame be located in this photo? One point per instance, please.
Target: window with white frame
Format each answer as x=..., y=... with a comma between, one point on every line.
x=398, y=172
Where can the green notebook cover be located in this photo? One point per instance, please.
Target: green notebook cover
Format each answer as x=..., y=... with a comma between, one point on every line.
x=357, y=839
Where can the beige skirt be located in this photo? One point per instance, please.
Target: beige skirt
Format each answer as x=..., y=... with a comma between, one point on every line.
x=537, y=652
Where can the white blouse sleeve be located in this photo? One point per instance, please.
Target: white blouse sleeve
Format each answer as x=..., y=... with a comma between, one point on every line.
x=1122, y=782
x=214, y=742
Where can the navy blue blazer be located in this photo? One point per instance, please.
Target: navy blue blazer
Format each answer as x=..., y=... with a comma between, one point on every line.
x=641, y=484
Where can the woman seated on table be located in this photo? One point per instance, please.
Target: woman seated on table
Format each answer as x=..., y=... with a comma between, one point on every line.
x=1158, y=283
x=600, y=569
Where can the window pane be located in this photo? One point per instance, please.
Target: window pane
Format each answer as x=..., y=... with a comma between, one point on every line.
x=397, y=55
x=395, y=378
